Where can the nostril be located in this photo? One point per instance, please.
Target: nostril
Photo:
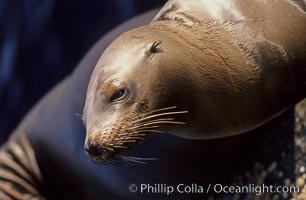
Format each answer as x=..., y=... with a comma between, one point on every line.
x=92, y=149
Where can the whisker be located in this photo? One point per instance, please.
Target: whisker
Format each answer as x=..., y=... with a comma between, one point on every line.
x=134, y=132
x=120, y=147
x=150, y=131
x=161, y=122
x=137, y=159
x=134, y=161
x=130, y=141
x=148, y=159
x=154, y=111
x=141, y=128
x=135, y=136
x=155, y=120
x=110, y=149
x=80, y=116
x=161, y=109
x=122, y=161
x=164, y=122
x=161, y=114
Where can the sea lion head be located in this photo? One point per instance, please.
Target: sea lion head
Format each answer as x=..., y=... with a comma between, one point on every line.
x=164, y=79
x=138, y=87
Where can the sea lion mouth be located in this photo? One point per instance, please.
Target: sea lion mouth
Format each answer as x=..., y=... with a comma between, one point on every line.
x=126, y=133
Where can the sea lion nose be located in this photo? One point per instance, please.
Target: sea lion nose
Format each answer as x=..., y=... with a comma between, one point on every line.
x=92, y=149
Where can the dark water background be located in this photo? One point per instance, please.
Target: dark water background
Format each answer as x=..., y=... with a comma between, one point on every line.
x=41, y=41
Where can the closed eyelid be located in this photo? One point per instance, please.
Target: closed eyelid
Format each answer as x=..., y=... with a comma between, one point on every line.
x=119, y=95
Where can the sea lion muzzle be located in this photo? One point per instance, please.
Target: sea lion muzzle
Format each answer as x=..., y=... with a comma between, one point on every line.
x=95, y=152
x=103, y=144
x=91, y=149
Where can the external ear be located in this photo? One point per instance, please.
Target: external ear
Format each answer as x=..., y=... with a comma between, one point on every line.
x=153, y=48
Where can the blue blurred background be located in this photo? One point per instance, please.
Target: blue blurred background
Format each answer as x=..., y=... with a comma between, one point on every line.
x=41, y=41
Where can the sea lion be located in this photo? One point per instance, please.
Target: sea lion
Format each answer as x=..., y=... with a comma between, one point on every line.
x=62, y=171
x=201, y=69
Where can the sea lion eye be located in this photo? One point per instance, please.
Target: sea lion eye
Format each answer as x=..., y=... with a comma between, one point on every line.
x=119, y=95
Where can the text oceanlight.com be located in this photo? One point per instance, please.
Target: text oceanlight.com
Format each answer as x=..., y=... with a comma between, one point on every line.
x=215, y=188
